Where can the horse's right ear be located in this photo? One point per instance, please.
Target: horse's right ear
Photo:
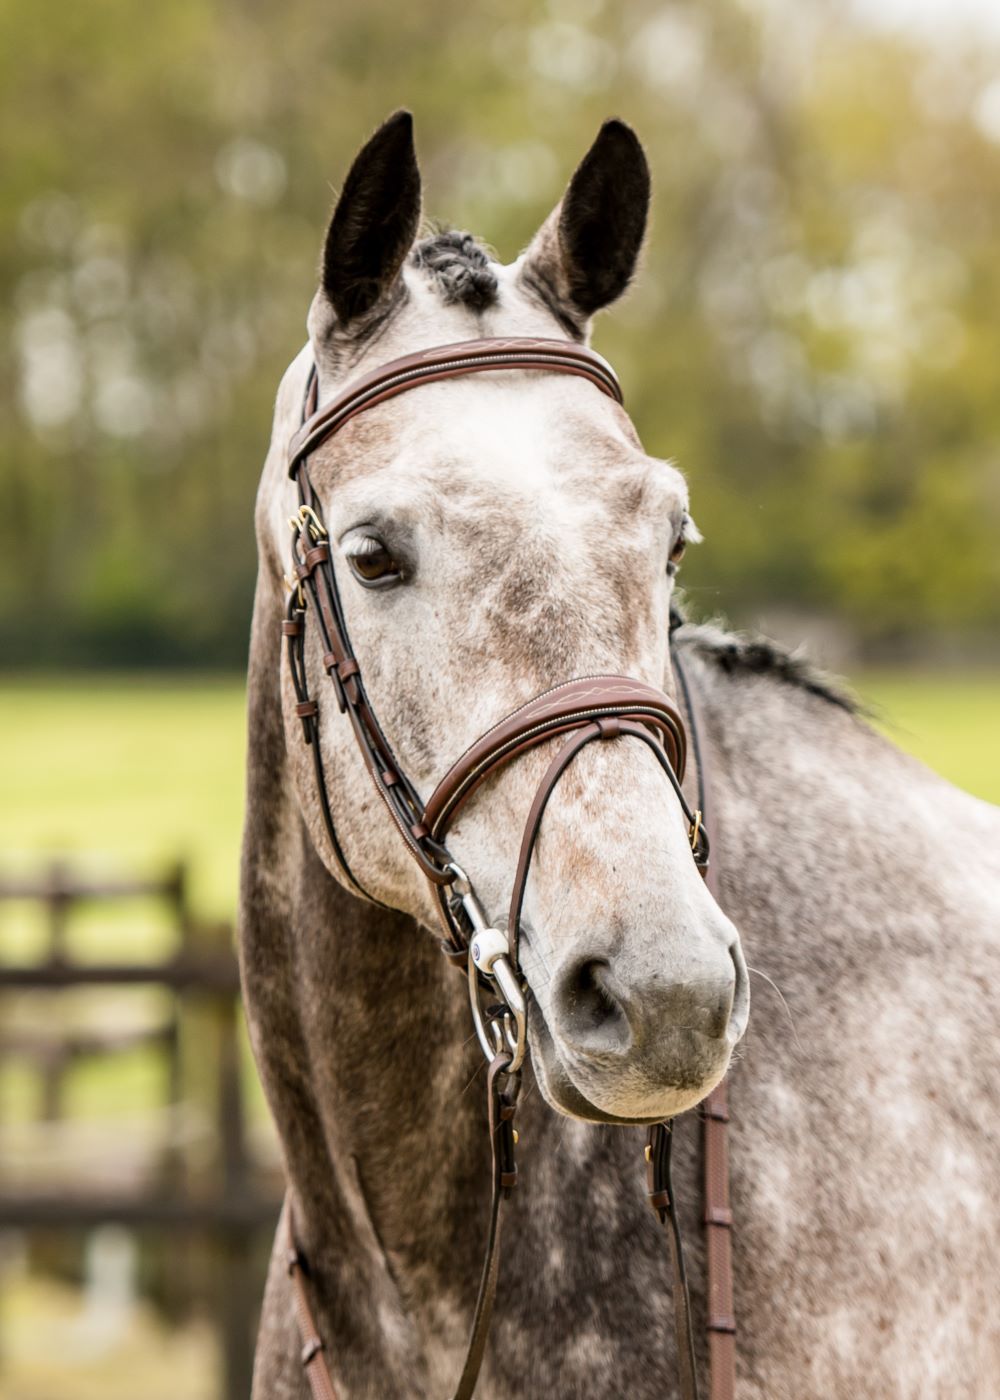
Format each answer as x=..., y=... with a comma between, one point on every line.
x=584, y=255
x=374, y=223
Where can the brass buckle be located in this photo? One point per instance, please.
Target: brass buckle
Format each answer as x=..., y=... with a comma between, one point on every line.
x=294, y=585
x=695, y=831
x=305, y=518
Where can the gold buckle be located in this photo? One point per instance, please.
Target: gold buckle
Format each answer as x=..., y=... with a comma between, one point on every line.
x=306, y=518
x=695, y=831
x=294, y=585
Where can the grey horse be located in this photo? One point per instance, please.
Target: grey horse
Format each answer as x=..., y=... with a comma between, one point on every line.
x=524, y=537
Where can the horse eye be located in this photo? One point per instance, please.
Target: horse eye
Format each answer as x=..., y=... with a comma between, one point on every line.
x=677, y=553
x=372, y=564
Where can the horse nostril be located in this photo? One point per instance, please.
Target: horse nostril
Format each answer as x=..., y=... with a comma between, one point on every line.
x=740, y=1009
x=597, y=1013
x=589, y=1012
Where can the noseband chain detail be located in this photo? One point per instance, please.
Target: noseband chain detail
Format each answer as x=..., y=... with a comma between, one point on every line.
x=578, y=711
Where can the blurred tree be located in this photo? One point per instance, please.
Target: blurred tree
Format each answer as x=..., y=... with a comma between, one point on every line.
x=814, y=337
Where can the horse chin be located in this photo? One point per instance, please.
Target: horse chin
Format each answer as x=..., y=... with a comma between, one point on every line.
x=563, y=1094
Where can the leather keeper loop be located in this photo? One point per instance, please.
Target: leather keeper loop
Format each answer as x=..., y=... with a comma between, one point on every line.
x=329, y=661
x=389, y=777
x=290, y=627
x=715, y=1112
x=722, y=1324
x=419, y=831
x=347, y=668
x=508, y=1179
x=319, y=554
x=306, y=708
x=659, y=1200
x=719, y=1215
x=310, y=1349
x=610, y=728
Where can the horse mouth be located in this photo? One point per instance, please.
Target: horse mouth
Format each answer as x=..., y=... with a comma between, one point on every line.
x=562, y=1093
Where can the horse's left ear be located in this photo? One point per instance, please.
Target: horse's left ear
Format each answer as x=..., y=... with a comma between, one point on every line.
x=584, y=255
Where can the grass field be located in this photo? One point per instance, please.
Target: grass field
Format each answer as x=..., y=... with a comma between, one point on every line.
x=951, y=722
x=127, y=773
x=130, y=773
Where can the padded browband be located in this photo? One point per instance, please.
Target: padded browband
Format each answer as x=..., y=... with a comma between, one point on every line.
x=568, y=706
x=447, y=362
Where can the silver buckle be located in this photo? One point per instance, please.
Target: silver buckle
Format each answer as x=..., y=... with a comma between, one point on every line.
x=489, y=954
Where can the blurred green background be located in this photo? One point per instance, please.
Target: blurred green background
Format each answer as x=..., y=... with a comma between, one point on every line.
x=814, y=338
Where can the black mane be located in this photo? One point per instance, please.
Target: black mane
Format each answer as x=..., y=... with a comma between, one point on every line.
x=756, y=655
x=460, y=266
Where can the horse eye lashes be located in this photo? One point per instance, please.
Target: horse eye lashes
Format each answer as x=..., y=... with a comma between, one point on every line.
x=370, y=544
x=364, y=542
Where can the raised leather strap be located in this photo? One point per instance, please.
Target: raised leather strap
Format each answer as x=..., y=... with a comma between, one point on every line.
x=446, y=362
x=564, y=707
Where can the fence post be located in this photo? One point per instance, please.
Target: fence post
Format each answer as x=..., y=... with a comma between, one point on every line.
x=238, y=1303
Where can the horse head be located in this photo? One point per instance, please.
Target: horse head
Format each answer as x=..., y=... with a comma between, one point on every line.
x=493, y=536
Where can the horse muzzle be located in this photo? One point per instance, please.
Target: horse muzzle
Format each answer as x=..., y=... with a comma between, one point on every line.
x=638, y=1046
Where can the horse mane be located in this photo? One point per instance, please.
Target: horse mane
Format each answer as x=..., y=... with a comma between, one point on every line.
x=752, y=654
x=460, y=266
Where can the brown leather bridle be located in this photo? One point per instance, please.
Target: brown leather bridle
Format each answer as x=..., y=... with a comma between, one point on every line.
x=583, y=710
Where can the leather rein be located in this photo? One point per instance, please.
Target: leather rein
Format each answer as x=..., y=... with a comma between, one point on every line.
x=583, y=710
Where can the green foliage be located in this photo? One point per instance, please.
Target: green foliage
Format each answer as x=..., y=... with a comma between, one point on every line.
x=813, y=339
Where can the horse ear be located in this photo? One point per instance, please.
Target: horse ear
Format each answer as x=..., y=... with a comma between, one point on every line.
x=584, y=255
x=374, y=223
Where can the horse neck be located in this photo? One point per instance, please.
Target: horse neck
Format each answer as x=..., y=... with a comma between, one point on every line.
x=824, y=834
x=384, y=1017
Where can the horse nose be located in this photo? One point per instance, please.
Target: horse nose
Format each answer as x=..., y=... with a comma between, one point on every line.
x=600, y=1012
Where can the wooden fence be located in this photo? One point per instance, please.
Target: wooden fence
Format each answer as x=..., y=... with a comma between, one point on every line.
x=230, y=1197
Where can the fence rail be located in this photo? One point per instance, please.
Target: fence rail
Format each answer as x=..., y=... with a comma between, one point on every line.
x=240, y=1199
x=214, y=975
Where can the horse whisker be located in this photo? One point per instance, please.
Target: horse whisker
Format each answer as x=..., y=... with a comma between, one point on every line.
x=781, y=997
